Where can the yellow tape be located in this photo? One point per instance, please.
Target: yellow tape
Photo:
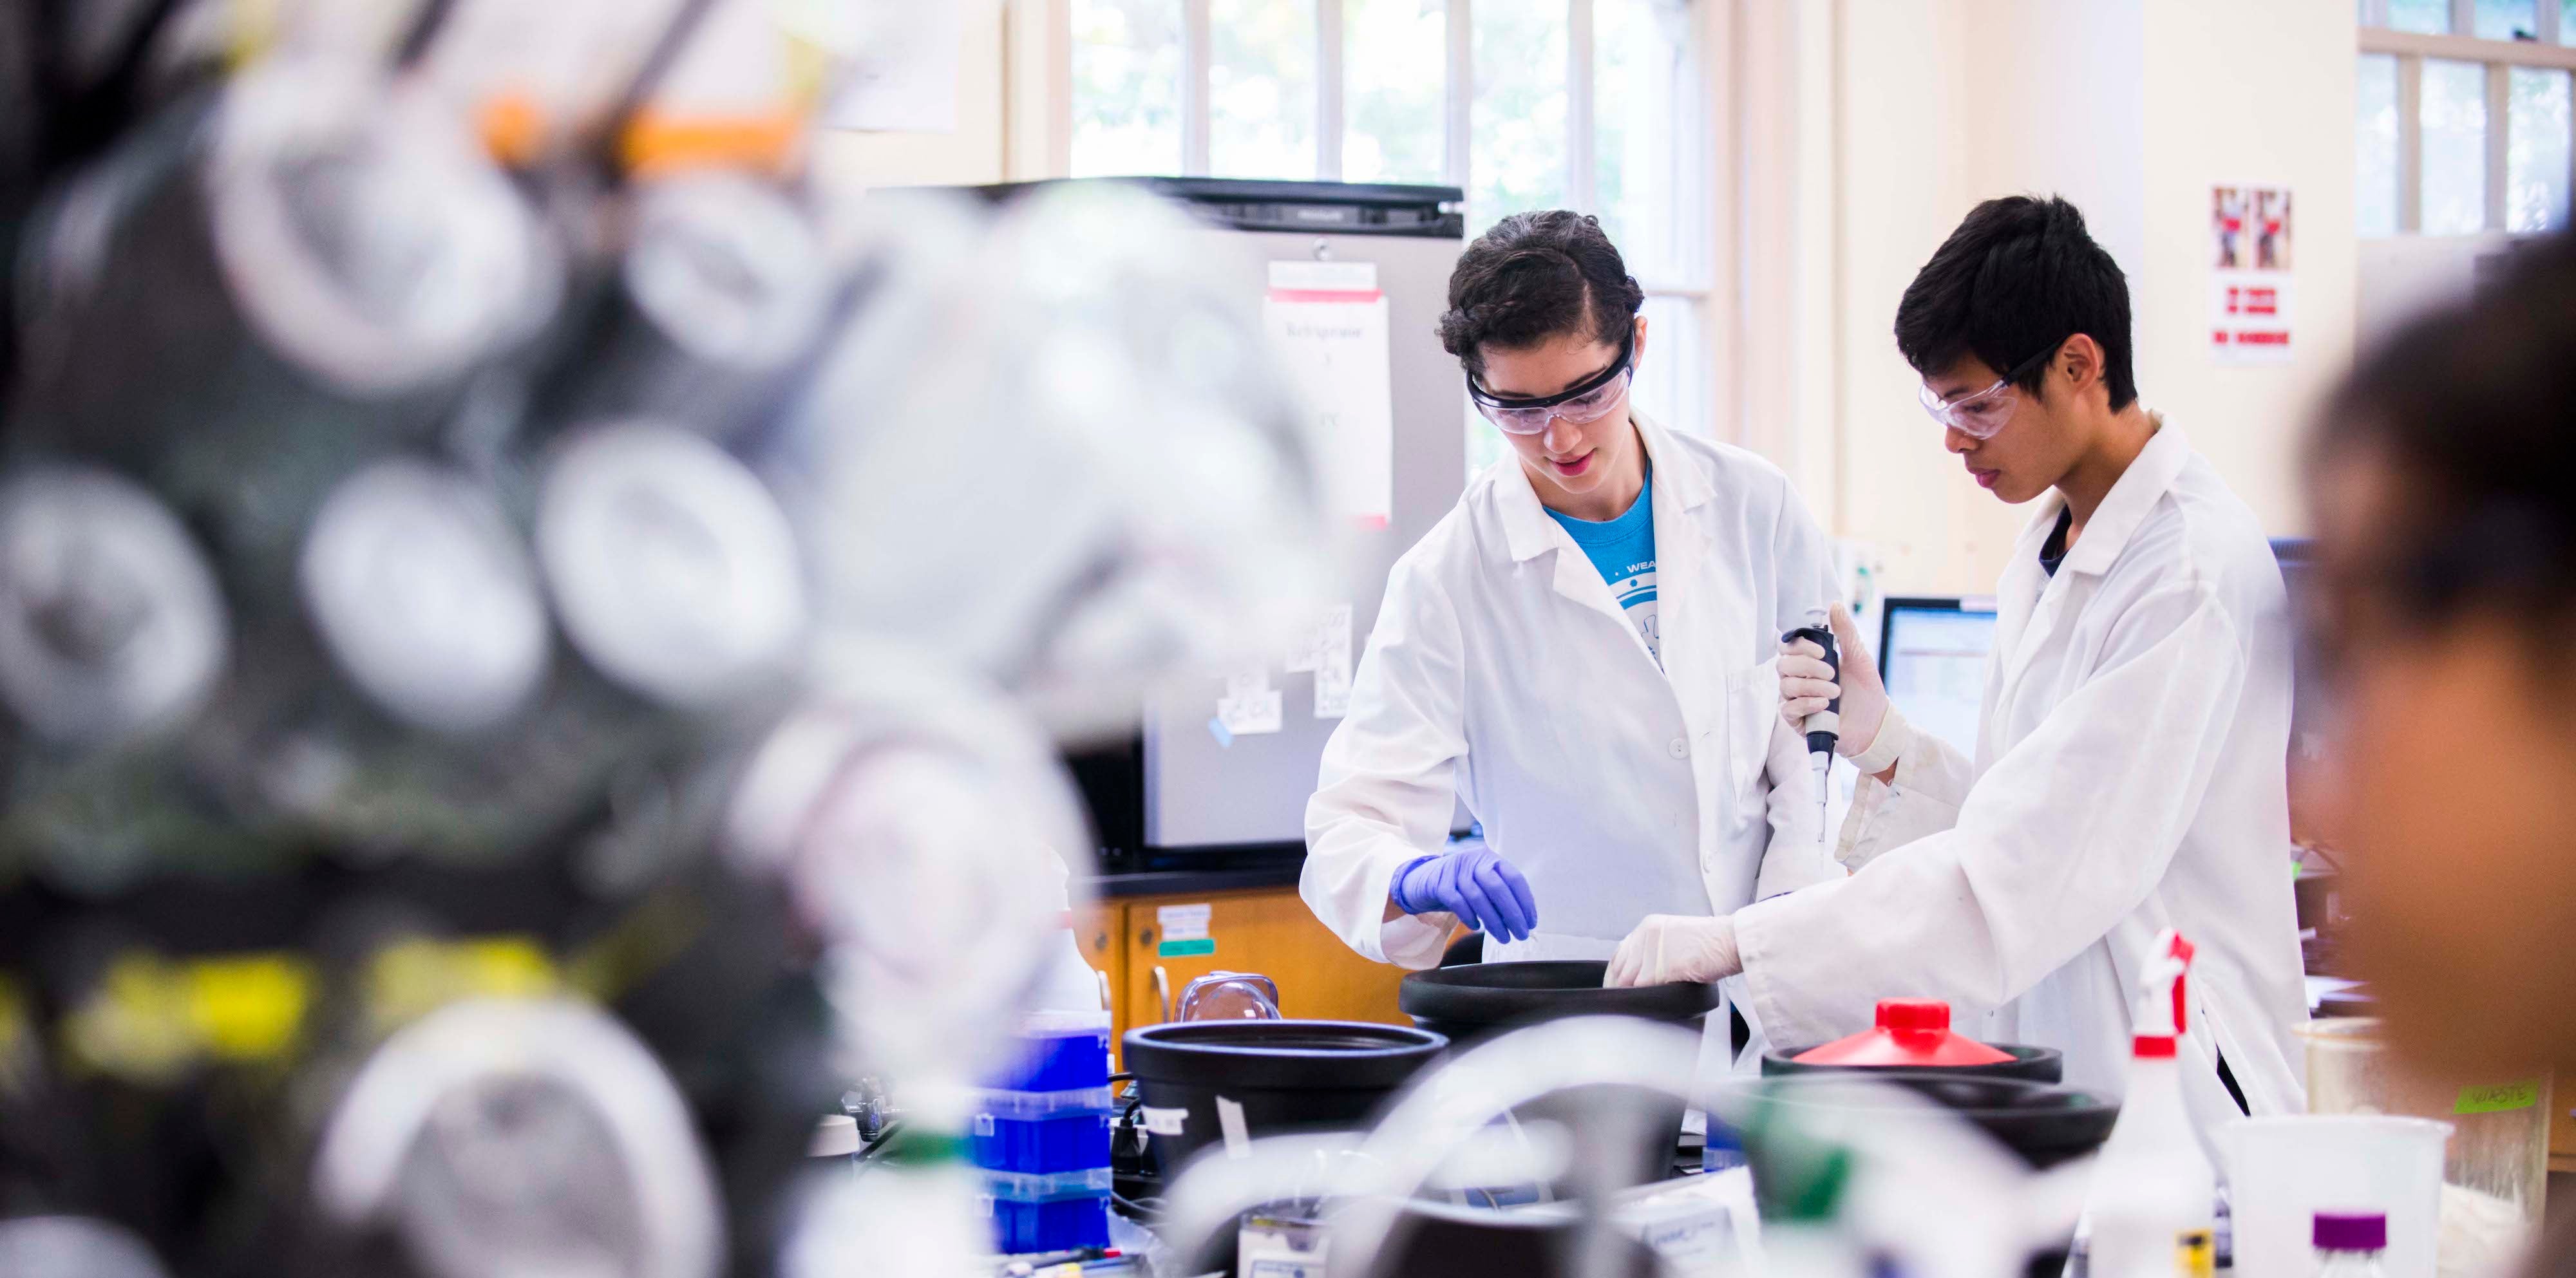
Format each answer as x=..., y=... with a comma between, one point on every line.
x=135, y=1025
x=411, y=979
x=13, y=1021
x=248, y=1008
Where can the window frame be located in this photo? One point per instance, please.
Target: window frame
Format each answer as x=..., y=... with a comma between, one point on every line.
x=1694, y=285
x=2499, y=57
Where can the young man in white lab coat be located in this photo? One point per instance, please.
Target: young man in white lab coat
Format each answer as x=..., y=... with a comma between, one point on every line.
x=2130, y=772
x=1583, y=649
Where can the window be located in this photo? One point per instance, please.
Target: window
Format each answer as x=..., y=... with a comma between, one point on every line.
x=1597, y=105
x=2463, y=124
x=1127, y=75
x=2540, y=149
x=1261, y=88
x=1394, y=87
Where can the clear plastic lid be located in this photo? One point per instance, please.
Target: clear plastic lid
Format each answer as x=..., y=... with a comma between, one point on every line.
x=1063, y=1023
x=1025, y=1187
x=1025, y=1106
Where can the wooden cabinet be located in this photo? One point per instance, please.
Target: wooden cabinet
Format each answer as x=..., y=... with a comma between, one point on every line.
x=1270, y=932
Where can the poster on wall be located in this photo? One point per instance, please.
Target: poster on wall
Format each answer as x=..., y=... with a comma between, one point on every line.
x=2252, y=301
x=1327, y=322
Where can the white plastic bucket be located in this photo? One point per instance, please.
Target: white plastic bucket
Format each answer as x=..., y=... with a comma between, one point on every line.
x=2282, y=1171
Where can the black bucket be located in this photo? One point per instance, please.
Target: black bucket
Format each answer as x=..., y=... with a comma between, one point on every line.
x=1282, y=1076
x=1475, y=1002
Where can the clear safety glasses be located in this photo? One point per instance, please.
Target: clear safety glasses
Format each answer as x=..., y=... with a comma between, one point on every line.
x=1982, y=414
x=1582, y=403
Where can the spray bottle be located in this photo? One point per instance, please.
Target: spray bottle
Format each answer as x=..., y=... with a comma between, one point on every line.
x=2154, y=1193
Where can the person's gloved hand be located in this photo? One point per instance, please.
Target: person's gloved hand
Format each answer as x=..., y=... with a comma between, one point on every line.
x=1474, y=884
x=1807, y=684
x=1675, y=947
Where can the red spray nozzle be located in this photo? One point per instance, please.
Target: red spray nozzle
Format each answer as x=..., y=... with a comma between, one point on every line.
x=2163, y=1011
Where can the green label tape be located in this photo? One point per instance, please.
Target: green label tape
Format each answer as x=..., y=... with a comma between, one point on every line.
x=1187, y=949
x=2496, y=1098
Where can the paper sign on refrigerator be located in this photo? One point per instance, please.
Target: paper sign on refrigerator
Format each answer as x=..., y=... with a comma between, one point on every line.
x=1328, y=323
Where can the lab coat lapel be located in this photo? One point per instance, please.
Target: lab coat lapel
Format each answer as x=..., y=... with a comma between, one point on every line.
x=1691, y=658
x=2024, y=614
x=2106, y=534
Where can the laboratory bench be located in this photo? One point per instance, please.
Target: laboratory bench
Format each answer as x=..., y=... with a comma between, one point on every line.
x=1150, y=933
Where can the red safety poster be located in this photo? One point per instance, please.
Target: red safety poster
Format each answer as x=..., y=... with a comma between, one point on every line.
x=2251, y=300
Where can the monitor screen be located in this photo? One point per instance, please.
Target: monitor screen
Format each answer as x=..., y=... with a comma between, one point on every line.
x=1932, y=655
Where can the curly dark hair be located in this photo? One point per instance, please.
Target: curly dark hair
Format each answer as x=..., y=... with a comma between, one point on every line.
x=1533, y=277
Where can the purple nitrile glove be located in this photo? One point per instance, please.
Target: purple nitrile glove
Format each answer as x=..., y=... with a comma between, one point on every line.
x=1474, y=884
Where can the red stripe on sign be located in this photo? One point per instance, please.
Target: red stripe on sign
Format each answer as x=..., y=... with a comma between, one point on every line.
x=1326, y=294
x=2262, y=339
x=1373, y=523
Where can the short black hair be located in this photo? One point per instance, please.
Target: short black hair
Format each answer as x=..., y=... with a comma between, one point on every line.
x=2472, y=408
x=2017, y=279
x=1535, y=276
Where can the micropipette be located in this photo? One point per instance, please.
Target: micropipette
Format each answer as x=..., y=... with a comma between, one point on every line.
x=1823, y=724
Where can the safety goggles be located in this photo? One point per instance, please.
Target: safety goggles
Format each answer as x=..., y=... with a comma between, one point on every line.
x=1582, y=403
x=1981, y=415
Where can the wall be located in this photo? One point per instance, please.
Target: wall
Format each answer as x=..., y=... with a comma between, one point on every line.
x=2258, y=94
x=848, y=160
x=2404, y=274
x=2133, y=110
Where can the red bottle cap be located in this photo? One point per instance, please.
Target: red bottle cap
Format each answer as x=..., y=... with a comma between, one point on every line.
x=1911, y=1032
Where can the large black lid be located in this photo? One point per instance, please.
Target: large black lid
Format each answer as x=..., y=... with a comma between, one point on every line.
x=1281, y=1054
x=1499, y=993
x=2045, y=1124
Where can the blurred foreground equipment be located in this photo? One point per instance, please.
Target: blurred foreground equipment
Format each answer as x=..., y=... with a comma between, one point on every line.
x=532, y=650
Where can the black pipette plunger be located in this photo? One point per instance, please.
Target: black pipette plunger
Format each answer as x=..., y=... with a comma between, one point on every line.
x=1823, y=725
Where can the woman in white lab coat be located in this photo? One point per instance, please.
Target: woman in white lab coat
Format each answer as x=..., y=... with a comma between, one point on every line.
x=2130, y=772
x=1621, y=750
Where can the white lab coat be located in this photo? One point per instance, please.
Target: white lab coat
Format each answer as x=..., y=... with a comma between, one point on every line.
x=1501, y=671
x=2130, y=776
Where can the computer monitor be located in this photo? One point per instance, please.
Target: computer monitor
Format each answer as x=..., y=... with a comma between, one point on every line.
x=1932, y=654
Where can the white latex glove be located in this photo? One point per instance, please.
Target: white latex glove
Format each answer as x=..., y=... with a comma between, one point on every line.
x=1807, y=684
x=1675, y=947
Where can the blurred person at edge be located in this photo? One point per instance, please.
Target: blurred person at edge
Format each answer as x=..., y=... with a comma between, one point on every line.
x=2131, y=764
x=2442, y=477
x=1582, y=649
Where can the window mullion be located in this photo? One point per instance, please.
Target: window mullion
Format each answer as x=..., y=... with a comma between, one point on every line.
x=1582, y=172
x=2464, y=17
x=2499, y=140
x=1460, y=95
x=2410, y=145
x=2544, y=23
x=1329, y=107
x=1197, y=50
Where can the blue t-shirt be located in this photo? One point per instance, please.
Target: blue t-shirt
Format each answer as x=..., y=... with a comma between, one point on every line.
x=1624, y=550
